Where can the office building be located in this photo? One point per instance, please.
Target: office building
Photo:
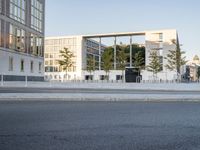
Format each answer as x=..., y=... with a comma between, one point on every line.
x=84, y=45
x=80, y=47
x=22, y=40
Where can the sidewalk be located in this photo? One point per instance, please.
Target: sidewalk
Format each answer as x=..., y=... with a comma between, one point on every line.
x=105, y=97
x=96, y=97
x=138, y=86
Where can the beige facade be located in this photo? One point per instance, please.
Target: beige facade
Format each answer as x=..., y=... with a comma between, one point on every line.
x=82, y=46
x=194, y=65
x=81, y=49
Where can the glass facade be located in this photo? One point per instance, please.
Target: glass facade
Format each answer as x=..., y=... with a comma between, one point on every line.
x=93, y=51
x=22, y=37
x=36, y=43
x=19, y=38
x=16, y=38
x=17, y=10
x=52, y=54
x=36, y=15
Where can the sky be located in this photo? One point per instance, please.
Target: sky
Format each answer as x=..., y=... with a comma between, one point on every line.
x=76, y=17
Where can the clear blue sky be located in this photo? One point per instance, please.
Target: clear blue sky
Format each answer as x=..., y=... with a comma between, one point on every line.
x=74, y=17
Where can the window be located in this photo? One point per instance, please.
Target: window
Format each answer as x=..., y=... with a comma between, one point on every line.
x=103, y=77
x=36, y=15
x=161, y=37
x=46, y=62
x=51, y=62
x=16, y=38
x=118, y=77
x=22, y=66
x=10, y=64
x=17, y=10
x=40, y=67
x=36, y=45
x=31, y=67
x=89, y=77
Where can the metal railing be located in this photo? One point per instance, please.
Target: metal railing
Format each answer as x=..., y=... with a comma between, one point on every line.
x=51, y=83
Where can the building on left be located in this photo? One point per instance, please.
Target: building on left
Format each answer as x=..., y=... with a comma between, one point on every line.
x=22, y=40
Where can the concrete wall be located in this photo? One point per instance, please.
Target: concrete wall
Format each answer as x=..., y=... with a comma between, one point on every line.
x=163, y=75
x=4, y=64
x=98, y=73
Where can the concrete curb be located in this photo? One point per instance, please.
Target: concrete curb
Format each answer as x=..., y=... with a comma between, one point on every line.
x=97, y=97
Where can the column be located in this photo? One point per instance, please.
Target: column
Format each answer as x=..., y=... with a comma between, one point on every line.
x=131, y=65
x=99, y=53
x=115, y=52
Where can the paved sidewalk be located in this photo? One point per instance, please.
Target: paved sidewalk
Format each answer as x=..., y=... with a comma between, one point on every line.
x=97, y=97
x=142, y=86
x=150, y=92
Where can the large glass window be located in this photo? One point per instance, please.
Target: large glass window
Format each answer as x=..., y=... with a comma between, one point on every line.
x=40, y=67
x=36, y=15
x=31, y=66
x=17, y=10
x=16, y=38
x=36, y=45
x=22, y=65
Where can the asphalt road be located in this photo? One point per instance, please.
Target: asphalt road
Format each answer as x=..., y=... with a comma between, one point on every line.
x=93, y=91
x=99, y=125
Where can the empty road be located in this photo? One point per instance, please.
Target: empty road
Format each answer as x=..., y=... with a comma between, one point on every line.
x=60, y=125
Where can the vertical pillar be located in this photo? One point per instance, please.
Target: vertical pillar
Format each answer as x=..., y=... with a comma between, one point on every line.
x=26, y=81
x=99, y=53
x=131, y=52
x=115, y=52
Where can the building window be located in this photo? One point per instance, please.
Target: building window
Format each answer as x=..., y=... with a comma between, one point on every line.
x=161, y=37
x=36, y=45
x=103, y=77
x=22, y=65
x=36, y=15
x=16, y=38
x=17, y=10
x=31, y=67
x=10, y=64
x=89, y=77
x=46, y=55
x=40, y=67
x=118, y=77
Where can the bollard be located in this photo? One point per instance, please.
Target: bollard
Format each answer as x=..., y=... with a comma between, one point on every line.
x=26, y=82
x=2, y=80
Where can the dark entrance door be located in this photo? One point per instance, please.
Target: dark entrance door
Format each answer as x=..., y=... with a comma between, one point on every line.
x=132, y=75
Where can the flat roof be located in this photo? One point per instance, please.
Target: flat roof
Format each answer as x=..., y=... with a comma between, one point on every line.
x=115, y=34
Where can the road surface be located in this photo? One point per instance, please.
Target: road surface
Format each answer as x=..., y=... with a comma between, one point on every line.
x=60, y=125
x=94, y=91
